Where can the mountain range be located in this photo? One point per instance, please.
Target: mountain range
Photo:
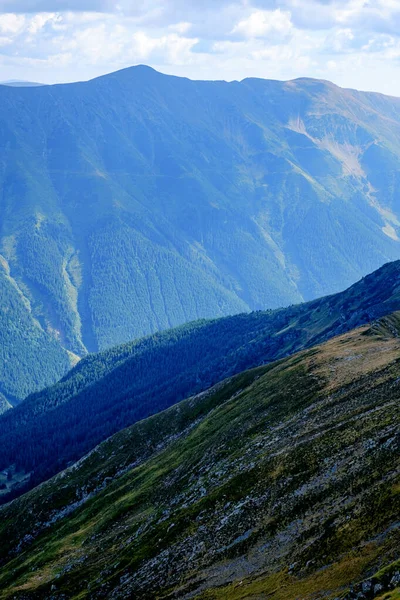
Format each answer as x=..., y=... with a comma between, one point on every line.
x=138, y=201
x=113, y=389
x=190, y=405
x=282, y=482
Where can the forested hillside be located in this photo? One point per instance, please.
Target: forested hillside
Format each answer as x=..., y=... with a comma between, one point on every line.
x=280, y=483
x=138, y=201
x=106, y=392
x=30, y=357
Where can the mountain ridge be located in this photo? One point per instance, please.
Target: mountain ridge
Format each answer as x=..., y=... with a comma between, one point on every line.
x=143, y=67
x=106, y=392
x=213, y=198
x=211, y=498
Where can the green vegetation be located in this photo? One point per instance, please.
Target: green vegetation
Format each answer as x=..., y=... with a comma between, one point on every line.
x=30, y=358
x=111, y=390
x=280, y=482
x=137, y=202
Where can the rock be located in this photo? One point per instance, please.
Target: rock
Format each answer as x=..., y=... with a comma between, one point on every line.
x=378, y=587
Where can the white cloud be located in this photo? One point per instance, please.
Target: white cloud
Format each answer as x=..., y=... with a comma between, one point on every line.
x=96, y=44
x=117, y=43
x=350, y=11
x=83, y=18
x=340, y=40
x=181, y=28
x=171, y=48
x=12, y=23
x=261, y=23
x=39, y=21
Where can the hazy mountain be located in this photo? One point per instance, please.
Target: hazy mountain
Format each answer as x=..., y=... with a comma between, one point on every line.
x=139, y=201
x=280, y=483
x=20, y=83
x=108, y=391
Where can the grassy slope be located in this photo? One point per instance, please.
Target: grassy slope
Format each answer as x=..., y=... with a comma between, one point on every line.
x=112, y=390
x=282, y=482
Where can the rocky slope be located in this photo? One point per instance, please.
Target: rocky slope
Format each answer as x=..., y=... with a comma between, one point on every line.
x=139, y=201
x=4, y=405
x=281, y=482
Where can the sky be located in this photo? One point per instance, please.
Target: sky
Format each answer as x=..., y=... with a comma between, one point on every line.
x=354, y=43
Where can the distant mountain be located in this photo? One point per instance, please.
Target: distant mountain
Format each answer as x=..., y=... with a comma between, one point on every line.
x=139, y=201
x=108, y=391
x=280, y=483
x=20, y=83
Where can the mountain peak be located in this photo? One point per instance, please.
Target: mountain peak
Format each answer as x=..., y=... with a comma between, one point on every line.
x=142, y=71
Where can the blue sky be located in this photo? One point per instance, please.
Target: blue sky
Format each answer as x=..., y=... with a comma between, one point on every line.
x=355, y=43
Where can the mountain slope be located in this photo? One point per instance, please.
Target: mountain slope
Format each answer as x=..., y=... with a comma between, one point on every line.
x=106, y=392
x=4, y=405
x=281, y=482
x=138, y=201
x=30, y=357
